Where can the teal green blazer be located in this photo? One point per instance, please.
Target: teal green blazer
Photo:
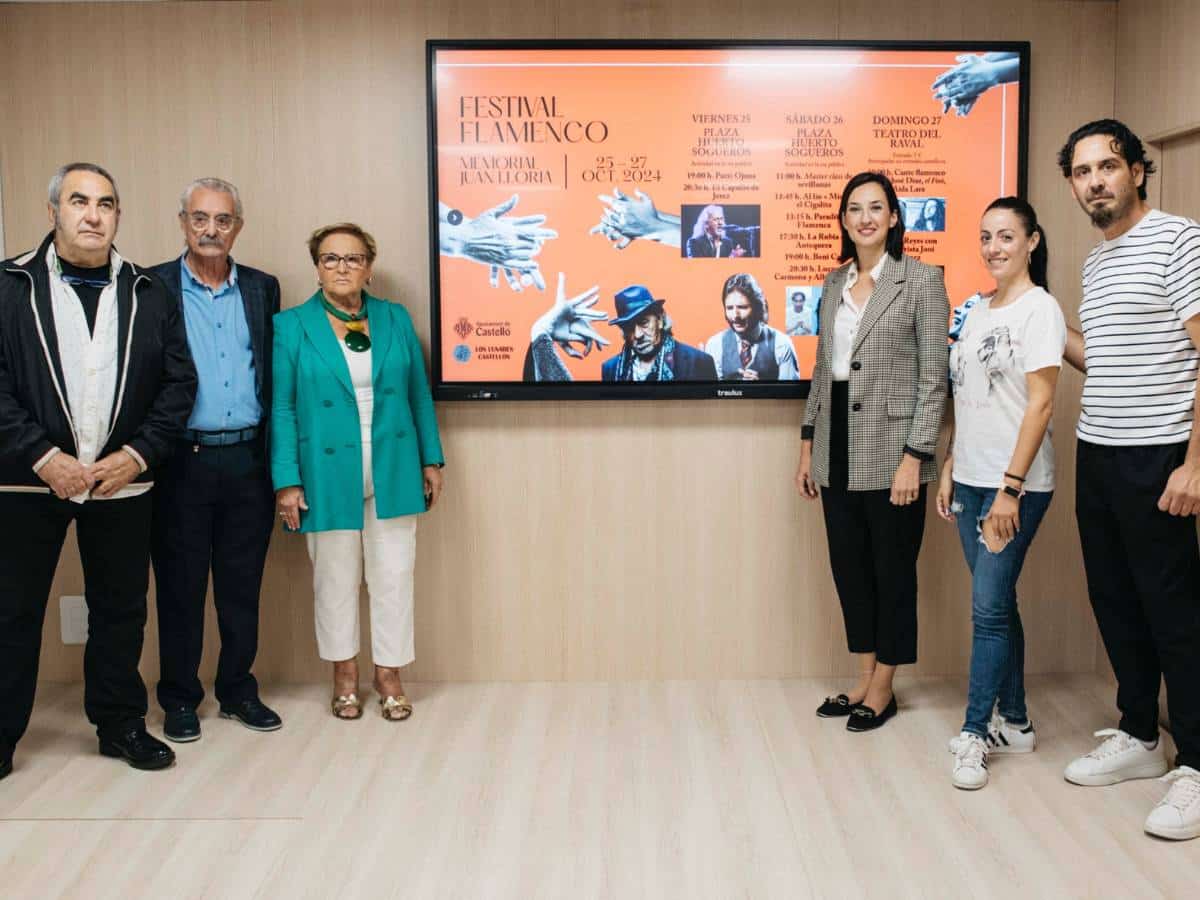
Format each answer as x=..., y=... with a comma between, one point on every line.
x=316, y=440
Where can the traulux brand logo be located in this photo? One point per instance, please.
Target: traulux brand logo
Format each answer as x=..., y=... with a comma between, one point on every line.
x=463, y=328
x=721, y=393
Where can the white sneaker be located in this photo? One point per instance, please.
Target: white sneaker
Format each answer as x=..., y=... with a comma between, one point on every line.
x=1005, y=738
x=1177, y=815
x=1120, y=757
x=970, y=761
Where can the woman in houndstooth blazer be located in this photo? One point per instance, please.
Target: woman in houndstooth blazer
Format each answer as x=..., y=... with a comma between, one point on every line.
x=869, y=434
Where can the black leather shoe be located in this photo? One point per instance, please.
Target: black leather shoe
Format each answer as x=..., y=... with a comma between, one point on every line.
x=181, y=725
x=866, y=719
x=138, y=749
x=836, y=707
x=5, y=762
x=252, y=713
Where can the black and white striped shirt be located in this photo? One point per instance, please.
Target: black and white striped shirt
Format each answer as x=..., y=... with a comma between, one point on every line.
x=1138, y=290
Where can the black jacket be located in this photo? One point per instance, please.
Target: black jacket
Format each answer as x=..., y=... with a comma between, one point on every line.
x=687, y=364
x=698, y=247
x=260, y=302
x=156, y=384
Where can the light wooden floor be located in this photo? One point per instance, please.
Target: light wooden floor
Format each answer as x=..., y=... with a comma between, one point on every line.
x=657, y=790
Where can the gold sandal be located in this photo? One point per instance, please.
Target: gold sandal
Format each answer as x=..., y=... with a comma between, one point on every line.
x=340, y=704
x=395, y=709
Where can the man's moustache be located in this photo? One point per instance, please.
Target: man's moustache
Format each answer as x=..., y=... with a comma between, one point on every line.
x=210, y=242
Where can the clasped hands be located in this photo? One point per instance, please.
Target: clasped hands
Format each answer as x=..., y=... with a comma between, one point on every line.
x=626, y=218
x=501, y=244
x=960, y=87
x=68, y=477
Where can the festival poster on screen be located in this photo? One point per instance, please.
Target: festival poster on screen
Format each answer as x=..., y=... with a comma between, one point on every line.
x=567, y=177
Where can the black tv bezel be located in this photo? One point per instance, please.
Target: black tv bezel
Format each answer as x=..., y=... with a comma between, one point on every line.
x=673, y=390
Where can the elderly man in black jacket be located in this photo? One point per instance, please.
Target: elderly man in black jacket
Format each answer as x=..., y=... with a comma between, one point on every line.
x=214, y=505
x=96, y=384
x=650, y=351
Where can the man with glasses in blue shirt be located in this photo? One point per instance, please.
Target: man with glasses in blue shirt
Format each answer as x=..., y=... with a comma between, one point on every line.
x=214, y=506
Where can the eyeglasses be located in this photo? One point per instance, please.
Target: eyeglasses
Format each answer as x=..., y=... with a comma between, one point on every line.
x=224, y=222
x=78, y=281
x=352, y=260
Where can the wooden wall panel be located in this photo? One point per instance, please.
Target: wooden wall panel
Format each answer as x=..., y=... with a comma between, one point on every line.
x=1158, y=92
x=1179, y=163
x=575, y=541
x=1158, y=76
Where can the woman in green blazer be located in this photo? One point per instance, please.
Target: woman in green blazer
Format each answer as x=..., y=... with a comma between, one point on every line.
x=355, y=457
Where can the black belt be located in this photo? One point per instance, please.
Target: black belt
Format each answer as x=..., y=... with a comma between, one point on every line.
x=220, y=438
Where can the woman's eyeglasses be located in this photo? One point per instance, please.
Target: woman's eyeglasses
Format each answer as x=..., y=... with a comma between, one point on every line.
x=352, y=260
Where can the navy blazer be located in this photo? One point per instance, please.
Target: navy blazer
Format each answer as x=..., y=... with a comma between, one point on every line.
x=260, y=300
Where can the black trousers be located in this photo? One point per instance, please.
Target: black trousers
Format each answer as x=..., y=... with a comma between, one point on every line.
x=213, y=509
x=873, y=549
x=114, y=547
x=1143, y=576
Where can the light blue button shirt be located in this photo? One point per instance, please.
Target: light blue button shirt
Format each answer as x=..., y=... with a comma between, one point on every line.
x=219, y=338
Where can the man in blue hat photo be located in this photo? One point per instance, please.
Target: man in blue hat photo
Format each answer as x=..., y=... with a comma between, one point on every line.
x=650, y=351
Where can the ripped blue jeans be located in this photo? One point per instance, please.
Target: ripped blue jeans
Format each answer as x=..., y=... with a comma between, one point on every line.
x=997, y=639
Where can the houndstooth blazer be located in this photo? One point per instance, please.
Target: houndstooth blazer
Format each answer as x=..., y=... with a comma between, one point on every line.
x=899, y=389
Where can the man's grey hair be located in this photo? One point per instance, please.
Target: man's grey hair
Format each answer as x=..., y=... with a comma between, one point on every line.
x=212, y=184
x=54, y=192
x=702, y=220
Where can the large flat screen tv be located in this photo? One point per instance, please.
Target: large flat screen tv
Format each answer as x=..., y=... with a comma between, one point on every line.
x=612, y=219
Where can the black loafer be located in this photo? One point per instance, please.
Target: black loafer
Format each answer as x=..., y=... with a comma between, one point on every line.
x=138, y=749
x=836, y=707
x=252, y=713
x=181, y=725
x=866, y=719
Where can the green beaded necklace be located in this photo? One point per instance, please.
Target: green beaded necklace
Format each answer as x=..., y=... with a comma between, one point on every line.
x=357, y=340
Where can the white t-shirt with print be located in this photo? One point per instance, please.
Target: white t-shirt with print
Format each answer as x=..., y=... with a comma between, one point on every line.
x=995, y=350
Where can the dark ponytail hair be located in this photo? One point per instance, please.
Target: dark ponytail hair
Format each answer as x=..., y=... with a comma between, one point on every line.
x=1039, y=260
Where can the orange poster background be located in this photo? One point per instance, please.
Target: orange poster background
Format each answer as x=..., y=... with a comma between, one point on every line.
x=647, y=99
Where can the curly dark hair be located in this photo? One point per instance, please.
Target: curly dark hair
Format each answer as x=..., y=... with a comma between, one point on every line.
x=1122, y=140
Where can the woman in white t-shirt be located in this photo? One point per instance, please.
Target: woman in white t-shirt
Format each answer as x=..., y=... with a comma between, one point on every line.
x=998, y=479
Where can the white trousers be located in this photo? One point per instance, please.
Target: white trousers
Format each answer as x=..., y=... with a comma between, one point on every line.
x=386, y=549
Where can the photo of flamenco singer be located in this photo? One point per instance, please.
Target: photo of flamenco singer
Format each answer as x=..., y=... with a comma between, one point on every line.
x=924, y=213
x=803, y=305
x=720, y=231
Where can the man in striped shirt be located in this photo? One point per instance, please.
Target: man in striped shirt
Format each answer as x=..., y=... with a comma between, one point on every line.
x=1138, y=466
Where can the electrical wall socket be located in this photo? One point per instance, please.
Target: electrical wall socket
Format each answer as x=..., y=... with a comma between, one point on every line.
x=74, y=618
